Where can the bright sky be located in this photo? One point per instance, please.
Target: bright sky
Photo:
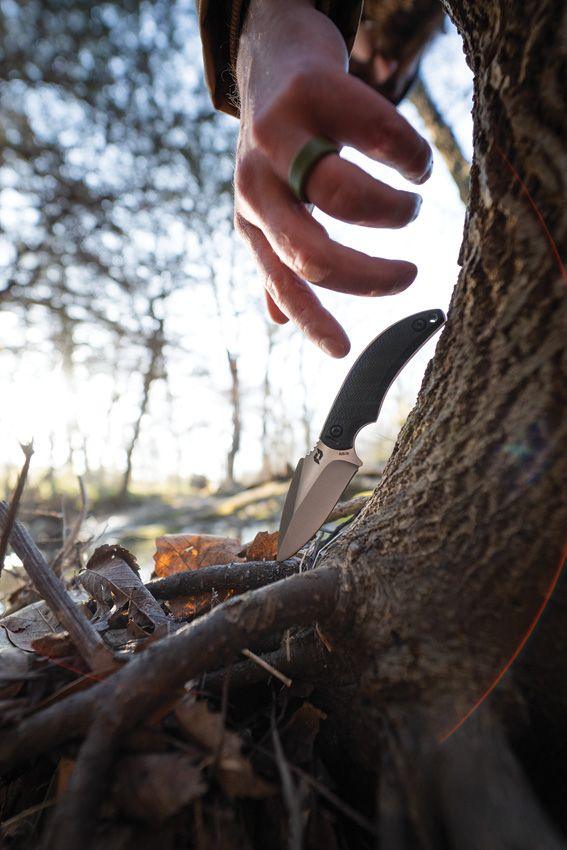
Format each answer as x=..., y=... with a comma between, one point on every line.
x=188, y=430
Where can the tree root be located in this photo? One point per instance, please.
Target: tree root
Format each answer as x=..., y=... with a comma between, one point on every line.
x=238, y=577
x=159, y=673
x=304, y=657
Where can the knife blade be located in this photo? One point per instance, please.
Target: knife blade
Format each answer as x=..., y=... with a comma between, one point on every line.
x=323, y=474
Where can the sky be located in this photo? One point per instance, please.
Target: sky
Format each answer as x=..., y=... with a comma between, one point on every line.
x=188, y=429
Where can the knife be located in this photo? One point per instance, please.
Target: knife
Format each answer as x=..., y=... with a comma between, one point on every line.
x=323, y=474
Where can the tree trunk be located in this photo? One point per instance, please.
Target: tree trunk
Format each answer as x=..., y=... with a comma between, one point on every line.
x=153, y=372
x=236, y=419
x=463, y=540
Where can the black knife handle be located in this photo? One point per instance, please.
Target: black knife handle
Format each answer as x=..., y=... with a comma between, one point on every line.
x=360, y=398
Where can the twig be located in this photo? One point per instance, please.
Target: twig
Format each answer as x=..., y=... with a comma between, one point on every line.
x=236, y=576
x=157, y=673
x=31, y=810
x=268, y=667
x=290, y=794
x=87, y=640
x=67, y=547
x=353, y=506
x=302, y=658
x=344, y=808
x=27, y=449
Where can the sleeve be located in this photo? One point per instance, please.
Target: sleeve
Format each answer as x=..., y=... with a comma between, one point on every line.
x=220, y=24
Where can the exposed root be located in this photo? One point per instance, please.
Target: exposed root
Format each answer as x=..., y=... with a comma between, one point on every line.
x=237, y=577
x=157, y=675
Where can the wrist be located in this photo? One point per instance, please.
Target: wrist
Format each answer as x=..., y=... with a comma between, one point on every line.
x=283, y=39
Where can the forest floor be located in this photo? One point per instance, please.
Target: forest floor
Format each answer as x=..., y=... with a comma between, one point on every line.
x=231, y=758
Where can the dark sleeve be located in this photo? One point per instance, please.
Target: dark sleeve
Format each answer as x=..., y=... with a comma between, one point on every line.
x=220, y=24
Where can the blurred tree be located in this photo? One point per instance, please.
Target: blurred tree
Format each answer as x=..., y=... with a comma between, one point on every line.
x=115, y=177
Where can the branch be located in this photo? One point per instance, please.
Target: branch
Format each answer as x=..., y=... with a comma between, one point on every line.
x=443, y=138
x=236, y=576
x=68, y=544
x=353, y=506
x=88, y=642
x=27, y=449
x=161, y=670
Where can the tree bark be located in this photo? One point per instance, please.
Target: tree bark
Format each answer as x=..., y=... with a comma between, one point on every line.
x=464, y=537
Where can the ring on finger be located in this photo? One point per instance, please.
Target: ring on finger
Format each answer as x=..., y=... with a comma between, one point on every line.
x=305, y=161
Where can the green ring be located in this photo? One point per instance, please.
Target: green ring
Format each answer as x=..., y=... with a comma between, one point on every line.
x=304, y=161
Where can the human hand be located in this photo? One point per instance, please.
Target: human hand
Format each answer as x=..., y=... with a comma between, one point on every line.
x=293, y=83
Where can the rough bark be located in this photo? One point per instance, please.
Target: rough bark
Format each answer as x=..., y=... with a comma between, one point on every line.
x=458, y=547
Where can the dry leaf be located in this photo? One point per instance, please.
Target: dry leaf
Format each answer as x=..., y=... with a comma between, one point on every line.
x=57, y=645
x=15, y=666
x=112, y=578
x=234, y=771
x=179, y=552
x=155, y=786
x=300, y=732
x=30, y=623
x=264, y=547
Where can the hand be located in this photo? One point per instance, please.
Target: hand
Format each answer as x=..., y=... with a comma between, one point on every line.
x=293, y=83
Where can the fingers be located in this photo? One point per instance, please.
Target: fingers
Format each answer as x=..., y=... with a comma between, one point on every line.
x=294, y=298
x=359, y=116
x=274, y=311
x=348, y=111
x=303, y=245
x=345, y=191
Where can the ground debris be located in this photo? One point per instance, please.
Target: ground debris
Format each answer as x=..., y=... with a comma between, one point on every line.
x=198, y=770
x=264, y=547
x=112, y=578
x=182, y=552
x=155, y=786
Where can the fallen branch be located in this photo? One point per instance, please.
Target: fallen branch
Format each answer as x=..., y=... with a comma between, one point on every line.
x=159, y=672
x=88, y=642
x=353, y=506
x=27, y=449
x=236, y=576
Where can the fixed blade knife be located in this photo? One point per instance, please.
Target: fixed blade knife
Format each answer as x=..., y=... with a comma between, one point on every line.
x=323, y=474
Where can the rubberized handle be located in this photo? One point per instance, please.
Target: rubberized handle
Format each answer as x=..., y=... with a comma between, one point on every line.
x=360, y=398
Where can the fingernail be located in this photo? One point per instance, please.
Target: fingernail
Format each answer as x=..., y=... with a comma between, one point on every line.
x=418, y=200
x=313, y=272
x=424, y=173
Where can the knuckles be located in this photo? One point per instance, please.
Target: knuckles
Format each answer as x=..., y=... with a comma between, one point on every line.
x=291, y=101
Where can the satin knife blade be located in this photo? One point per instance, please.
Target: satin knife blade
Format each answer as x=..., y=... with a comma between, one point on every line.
x=323, y=474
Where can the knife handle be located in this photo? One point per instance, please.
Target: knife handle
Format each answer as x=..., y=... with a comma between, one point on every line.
x=360, y=398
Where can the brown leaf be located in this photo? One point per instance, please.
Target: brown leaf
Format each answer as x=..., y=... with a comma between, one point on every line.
x=155, y=786
x=234, y=771
x=112, y=578
x=300, y=732
x=264, y=547
x=179, y=552
x=59, y=645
